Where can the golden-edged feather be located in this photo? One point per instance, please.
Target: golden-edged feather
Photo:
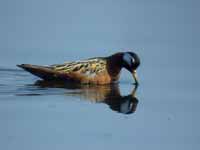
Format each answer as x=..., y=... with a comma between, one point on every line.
x=100, y=70
x=92, y=71
x=87, y=67
x=87, y=71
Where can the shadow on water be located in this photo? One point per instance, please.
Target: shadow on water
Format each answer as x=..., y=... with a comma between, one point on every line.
x=108, y=94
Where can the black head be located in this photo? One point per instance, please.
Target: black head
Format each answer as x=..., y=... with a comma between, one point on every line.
x=131, y=61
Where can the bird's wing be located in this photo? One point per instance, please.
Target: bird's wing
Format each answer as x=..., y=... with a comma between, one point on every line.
x=73, y=71
x=89, y=67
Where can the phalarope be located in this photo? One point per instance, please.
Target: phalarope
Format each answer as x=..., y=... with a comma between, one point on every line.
x=98, y=70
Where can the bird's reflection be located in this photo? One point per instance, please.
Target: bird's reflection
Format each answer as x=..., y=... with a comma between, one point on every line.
x=108, y=94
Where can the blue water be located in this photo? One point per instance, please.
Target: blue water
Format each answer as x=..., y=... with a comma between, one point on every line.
x=162, y=113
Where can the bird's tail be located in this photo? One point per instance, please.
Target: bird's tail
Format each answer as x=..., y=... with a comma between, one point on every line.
x=46, y=73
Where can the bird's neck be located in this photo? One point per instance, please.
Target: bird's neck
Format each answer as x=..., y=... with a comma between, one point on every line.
x=115, y=65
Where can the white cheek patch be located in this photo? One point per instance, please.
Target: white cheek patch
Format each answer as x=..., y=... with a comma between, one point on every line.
x=125, y=107
x=133, y=60
x=128, y=58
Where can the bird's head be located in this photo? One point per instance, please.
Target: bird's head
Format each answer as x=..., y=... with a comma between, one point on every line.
x=131, y=62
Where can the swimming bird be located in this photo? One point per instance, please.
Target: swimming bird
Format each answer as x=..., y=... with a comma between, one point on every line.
x=98, y=70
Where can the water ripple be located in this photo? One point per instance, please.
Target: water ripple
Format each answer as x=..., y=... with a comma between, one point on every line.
x=15, y=82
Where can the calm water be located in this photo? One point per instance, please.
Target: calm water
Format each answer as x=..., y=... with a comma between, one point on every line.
x=162, y=113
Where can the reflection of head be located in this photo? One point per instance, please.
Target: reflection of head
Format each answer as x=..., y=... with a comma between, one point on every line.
x=122, y=104
x=108, y=94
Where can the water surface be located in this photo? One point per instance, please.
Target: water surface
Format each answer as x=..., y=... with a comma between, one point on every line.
x=38, y=114
x=162, y=113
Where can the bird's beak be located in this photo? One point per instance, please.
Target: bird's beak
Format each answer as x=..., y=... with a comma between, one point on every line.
x=134, y=73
